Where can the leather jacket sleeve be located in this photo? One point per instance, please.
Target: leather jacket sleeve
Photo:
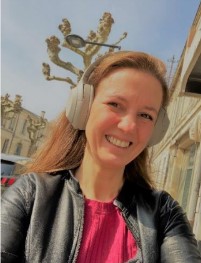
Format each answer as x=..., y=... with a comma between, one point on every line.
x=178, y=242
x=16, y=206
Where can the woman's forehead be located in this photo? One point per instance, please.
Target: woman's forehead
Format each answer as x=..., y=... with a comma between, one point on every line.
x=126, y=85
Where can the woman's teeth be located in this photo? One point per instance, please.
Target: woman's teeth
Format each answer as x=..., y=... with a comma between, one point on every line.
x=118, y=142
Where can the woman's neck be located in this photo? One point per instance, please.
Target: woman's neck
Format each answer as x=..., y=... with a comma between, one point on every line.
x=99, y=183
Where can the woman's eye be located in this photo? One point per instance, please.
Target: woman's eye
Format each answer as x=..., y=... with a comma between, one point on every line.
x=146, y=116
x=113, y=104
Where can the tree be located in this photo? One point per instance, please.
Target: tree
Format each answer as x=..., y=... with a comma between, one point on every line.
x=90, y=50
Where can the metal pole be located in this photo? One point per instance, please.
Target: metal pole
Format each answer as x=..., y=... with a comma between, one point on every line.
x=100, y=44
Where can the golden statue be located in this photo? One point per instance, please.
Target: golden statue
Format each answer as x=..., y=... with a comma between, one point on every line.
x=10, y=108
x=33, y=130
x=34, y=126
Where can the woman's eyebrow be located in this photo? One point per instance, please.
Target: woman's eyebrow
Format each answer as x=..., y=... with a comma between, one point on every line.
x=151, y=109
x=118, y=97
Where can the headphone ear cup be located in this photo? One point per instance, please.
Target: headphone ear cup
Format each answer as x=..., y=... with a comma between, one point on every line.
x=161, y=127
x=81, y=98
x=79, y=105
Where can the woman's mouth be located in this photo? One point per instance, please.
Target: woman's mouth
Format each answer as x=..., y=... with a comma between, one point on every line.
x=117, y=142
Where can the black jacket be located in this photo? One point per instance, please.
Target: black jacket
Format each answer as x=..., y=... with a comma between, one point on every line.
x=42, y=221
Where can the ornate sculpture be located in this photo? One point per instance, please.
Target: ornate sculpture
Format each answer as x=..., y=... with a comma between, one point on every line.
x=34, y=126
x=101, y=36
x=10, y=108
x=33, y=130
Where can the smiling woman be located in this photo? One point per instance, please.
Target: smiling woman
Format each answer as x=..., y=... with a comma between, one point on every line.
x=87, y=195
x=127, y=112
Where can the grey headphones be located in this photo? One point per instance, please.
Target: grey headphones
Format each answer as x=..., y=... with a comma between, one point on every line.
x=81, y=98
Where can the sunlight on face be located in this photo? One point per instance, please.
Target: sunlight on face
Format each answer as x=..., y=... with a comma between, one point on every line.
x=122, y=116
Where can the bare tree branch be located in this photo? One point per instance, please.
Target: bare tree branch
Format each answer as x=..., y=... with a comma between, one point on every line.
x=100, y=36
x=53, y=52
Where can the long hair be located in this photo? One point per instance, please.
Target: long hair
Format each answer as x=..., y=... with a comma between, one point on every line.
x=64, y=147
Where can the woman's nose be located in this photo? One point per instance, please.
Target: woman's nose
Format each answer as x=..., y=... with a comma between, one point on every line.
x=127, y=124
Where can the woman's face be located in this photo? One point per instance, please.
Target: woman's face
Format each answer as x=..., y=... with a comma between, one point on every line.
x=122, y=117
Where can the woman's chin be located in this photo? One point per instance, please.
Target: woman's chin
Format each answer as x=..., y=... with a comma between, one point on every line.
x=113, y=162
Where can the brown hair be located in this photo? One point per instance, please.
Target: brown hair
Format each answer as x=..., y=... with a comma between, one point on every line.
x=64, y=148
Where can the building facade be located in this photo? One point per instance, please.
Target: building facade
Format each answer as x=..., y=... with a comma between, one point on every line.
x=177, y=159
x=22, y=131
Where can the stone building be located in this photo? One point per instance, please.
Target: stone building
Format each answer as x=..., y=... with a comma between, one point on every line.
x=177, y=159
x=22, y=131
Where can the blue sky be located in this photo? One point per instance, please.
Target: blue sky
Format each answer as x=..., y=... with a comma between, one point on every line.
x=159, y=27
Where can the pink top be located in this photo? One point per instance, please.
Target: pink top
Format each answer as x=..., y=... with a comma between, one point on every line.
x=106, y=238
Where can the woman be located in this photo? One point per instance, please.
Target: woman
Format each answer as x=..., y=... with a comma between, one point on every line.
x=87, y=195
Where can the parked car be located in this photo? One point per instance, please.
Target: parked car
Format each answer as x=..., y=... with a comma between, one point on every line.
x=11, y=166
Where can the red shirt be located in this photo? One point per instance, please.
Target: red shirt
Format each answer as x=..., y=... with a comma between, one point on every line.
x=106, y=238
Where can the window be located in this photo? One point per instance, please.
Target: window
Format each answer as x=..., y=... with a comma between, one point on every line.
x=3, y=122
x=194, y=85
x=5, y=146
x=12, y=124
x=24, y=127
x=18, y=149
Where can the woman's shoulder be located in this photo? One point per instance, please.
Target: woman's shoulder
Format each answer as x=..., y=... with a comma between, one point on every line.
x=28, y=184
x=34, y=179
x=164, y=198
x=44, y=178
x=155, y=198
x=31, y=187
x=169, y=209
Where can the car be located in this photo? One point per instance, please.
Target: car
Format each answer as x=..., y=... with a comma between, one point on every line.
x=11, y=166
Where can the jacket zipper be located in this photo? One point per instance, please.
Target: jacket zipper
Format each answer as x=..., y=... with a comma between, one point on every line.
x=80, y=232
x=137, y=236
